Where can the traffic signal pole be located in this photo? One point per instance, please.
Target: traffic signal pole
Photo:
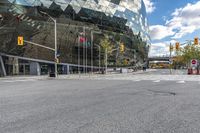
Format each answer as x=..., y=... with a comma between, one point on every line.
x=170, y=58
x=56, y=64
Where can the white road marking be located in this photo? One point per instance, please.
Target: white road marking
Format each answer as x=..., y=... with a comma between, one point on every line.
x=12, y=81
x=180, y=82
x=137, y=80
x=156, y=81
x=9, y=81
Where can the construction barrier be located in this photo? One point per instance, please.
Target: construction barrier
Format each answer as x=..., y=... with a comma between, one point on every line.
x=193, y=71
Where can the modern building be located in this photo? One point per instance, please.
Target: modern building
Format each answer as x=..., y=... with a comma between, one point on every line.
x=81, y=27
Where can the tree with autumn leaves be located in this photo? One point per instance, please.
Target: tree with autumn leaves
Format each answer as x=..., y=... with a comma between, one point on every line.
x=186, y=54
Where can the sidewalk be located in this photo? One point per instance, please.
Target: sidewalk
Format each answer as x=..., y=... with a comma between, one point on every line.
x=24, y=77
x=71, y=76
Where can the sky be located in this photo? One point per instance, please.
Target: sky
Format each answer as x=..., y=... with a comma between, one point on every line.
x=172, y=21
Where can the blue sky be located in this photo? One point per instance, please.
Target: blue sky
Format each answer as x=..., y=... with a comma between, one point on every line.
x=171, y=21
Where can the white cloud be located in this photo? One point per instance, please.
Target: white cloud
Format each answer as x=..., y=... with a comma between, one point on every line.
x=150, y=7
x=158, y=32
x=184, y=21
x=159, y=49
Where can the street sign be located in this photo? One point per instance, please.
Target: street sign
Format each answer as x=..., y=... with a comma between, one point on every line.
x=20, y=41
x=194, y=63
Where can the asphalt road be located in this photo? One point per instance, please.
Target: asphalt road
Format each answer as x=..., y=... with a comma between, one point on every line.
x=167, y=72
x=99, y=106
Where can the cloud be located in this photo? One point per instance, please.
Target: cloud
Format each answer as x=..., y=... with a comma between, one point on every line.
x=184, y=21
x=150, y=7
x=159, y=49
x=158, y=32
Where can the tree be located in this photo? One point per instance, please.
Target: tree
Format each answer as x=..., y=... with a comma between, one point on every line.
x=186, y=54
x=107, y=49
x=106, y=45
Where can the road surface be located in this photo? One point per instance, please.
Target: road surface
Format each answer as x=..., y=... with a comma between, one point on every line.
x=99, y=106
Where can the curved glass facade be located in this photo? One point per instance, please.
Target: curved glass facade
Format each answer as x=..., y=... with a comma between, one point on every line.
x=131, y=13
x=81, y=24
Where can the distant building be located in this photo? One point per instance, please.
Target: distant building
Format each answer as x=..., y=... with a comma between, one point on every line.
x=81, y=25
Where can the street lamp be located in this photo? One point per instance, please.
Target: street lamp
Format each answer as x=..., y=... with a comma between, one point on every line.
x=55, y=31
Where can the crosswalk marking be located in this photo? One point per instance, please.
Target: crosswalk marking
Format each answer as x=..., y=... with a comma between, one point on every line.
x=180, y=82
x=156, y=81
x=137, y=80
x=21, y=80
x=9, y=81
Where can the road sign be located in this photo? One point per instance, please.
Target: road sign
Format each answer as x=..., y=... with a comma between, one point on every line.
x=193, y=63
x=20, y=41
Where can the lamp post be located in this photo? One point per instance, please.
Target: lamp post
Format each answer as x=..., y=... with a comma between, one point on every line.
x=55, y=31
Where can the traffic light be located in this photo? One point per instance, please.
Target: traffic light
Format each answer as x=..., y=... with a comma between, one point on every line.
x=121, y=47
x=177, y=46
x=196, y=41
x=20, y=41
x=171, y=48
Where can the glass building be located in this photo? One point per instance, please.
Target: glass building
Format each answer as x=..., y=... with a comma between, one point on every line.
x=81, y=27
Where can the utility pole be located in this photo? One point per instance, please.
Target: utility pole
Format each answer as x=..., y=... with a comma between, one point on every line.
x=170, y=57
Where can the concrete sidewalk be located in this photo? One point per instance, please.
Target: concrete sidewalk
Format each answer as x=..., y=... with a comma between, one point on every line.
x=24, y=77
x=74, y=76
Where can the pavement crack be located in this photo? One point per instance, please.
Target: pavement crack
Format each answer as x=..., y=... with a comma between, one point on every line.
x=157, y=92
